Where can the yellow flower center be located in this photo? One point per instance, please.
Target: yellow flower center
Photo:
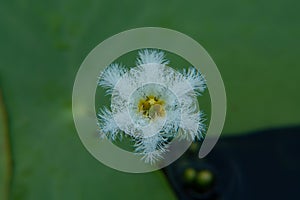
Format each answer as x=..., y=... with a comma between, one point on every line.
x=152, y=107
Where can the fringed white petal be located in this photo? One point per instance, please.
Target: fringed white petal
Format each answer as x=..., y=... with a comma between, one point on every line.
x=126, y=85
x=110, y=76
x=107, y=125
x=124, y=122
x=148, y=56
x=192, y=126
x=180, y=86
x=196, y=79
x=189, y=127
x=151, y=148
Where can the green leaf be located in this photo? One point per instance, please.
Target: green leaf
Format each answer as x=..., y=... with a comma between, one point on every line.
x=44, y=42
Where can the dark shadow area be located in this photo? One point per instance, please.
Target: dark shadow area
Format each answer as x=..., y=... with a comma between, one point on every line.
x=259, y=165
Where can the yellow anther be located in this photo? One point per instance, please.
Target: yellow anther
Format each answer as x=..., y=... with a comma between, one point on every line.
x=151, y=107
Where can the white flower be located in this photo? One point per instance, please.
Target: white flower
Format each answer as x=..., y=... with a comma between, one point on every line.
x=152, y=103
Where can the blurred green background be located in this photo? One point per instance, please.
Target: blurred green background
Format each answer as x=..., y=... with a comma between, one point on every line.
x=42, y=44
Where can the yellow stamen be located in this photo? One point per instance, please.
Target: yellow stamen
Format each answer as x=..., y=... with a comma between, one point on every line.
x=151, y=107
